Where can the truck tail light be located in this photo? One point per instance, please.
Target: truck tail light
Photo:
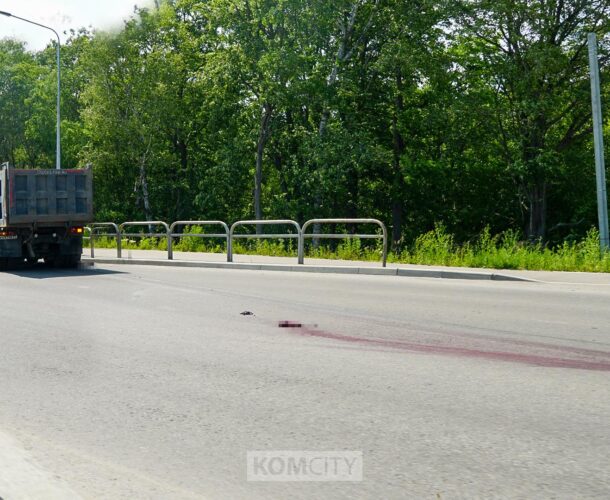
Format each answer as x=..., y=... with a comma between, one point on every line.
x=77, y=230
x=4, y=232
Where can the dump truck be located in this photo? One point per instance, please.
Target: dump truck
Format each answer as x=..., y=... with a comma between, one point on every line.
x=43, y=213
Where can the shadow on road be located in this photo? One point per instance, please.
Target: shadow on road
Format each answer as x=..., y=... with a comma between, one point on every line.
x=41, y=271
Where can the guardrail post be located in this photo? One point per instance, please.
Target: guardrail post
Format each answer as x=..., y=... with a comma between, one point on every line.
x=301, y=246
x=119, y=243
x=170, y=250
x=385, y=244
x=168, y=237
x=98, y=225
x=230, y=245
x=92, y=242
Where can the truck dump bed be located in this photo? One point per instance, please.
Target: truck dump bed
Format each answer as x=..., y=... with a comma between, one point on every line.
x=45, y=197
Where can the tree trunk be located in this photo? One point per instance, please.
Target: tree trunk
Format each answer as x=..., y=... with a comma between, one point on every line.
x=343, y=54
x=277, y=161
x=397, y=214
x=145, y=196
x=535, y=183
x=353, y=190
x=537, y=201
x=397, y=190
x=263, y=136
x=183, y=174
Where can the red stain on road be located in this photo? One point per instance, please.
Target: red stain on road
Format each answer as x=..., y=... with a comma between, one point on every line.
x=550, y=360
x=537, y=345
x=289, y=324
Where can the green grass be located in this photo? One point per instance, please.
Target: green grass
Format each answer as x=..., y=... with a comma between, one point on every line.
x=437, y=247
x=506, y=251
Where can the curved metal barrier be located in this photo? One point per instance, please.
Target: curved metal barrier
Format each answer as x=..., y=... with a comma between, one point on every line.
x=232, y=234
x=150, y=233
x=384, y=236
x=99, y=225
x=229, y=233
x=172, y=234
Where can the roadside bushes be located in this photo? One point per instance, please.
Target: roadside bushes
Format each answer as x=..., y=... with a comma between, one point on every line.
x=436, y=247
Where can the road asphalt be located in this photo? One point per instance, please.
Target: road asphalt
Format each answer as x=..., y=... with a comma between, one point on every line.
x=120, y=381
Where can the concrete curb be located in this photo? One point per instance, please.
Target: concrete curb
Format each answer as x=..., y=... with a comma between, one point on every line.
x=370, y=271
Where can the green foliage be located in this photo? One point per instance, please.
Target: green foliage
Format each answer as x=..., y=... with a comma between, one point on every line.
x=506, y=251
x=470, y=113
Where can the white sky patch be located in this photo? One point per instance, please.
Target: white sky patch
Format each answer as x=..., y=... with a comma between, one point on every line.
x=63, y=15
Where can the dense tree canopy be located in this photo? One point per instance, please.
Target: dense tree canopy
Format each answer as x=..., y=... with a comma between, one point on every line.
x=470, y=113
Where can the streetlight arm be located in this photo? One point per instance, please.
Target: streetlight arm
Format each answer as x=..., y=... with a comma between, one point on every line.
x=8, y=14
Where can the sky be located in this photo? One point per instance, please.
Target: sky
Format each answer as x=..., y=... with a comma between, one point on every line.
x=62, y=15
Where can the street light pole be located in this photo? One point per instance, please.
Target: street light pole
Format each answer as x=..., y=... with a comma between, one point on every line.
x=58, y=125
x=598, y=140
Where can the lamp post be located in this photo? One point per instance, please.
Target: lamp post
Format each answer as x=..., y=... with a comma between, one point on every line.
x=58, y=126
x=598, y=143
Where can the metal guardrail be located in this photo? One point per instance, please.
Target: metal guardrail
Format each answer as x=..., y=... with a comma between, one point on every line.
x=229, y=233
x=384, y=236
x=144, y=224
x=173, y=234
x=100, y=225
x=233, y=236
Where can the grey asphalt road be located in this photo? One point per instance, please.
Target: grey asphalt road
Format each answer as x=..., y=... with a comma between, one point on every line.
x=145, y=382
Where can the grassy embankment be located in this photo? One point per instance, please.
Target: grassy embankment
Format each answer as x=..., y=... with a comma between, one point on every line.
x=437, y=247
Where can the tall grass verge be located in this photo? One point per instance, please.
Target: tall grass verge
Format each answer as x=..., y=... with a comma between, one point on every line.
x=436, y=247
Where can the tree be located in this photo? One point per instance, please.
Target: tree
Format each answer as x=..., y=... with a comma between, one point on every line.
x=40, y=133
x=18, y=76
x=139, y=114
x=533, y=54
x=471, y=113
x=261, y=47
